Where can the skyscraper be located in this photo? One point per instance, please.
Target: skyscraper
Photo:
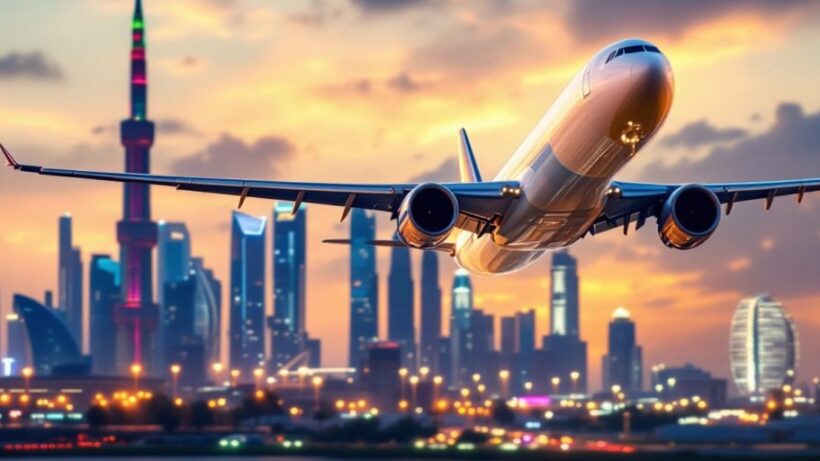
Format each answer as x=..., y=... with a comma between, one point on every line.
x=400, y=302
x=173, y=255
x=178, y=323
x=17, y=347
x=623, y=365
x=208, y=308
x=70, y=280
x=104, y=296
x=364, y=286
x=763, y=346
x=53, y=348
x=564, y=296
x=247, y=315
x=137, y=317
x=564, y=354
x=289, y=255
x=460, y=318
x=430, y=311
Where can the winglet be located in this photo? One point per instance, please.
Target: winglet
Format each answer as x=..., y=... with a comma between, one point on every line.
x=11, y=162
x=467, y=166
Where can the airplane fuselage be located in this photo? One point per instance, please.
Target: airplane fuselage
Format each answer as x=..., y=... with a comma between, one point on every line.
x=607, y=113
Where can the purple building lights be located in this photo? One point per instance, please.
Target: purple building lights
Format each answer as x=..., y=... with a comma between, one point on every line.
x=137, y=316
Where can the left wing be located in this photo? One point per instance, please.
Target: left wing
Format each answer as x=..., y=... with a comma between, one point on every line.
x=481, y=204
x=628, y=202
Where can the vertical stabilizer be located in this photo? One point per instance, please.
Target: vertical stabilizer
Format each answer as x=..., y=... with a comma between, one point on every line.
x=467, y=166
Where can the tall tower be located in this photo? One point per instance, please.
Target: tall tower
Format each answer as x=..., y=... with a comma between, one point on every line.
x=364, y=286
x=400, y=303
x=137, y=316
x=289, y=254
x=430, y=310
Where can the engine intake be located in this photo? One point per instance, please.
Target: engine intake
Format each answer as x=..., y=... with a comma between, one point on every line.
x=427, y=216
x=689, y=217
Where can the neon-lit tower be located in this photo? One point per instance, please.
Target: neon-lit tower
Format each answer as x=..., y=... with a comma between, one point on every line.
x=137, y=316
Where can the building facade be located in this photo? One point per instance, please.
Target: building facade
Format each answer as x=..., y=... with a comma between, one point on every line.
x=364, y=286
x=461, y=313
x=430, y=311
x=400, y=305
x=289, y=258
x=70, y=280
x=623, y=364
x=763, y=346
x=54, y=350
x=104, y=296
x=247, y=297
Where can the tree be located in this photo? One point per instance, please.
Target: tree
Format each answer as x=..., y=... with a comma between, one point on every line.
x=201, y=415
x=162, y=411
x=96, y=417
x=502, y=413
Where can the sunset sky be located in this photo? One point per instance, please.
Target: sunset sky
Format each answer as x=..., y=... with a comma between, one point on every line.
x=375, y=90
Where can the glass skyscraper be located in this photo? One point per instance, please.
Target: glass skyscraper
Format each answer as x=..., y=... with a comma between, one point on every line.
x=53, y=348
x=763, y=347
x=289, y=256
x=623, y=365
x=564, y=295
x=400, y=303
x=17, y=347
x=70, y=280
x=247, y=297
x=173, y=255
x=104, y=295
x=207, y=308
x=460, y=321
x=364, y=286
x=430, y=311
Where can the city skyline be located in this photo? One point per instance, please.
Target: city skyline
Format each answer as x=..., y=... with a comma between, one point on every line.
x=494, y=296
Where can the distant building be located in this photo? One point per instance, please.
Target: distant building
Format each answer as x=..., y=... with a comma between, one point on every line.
x=289, y=258
x=564, y=354
x=400, y=305
x=314, y=349
x=104, y=295
x=430, y=311
x=380, y=375
x=364, y=286
x=623, y=365
x=173, y=255
x=54, y=351
x=189, y=354
x=70, y=280
x=247, y=309
x=178, y=321
x=763, y=346
x=483, y=359
x=207, y=309
x=445, y=358
x=508, y=340
x=460, y=321
x=17, y=346
x=688, y=381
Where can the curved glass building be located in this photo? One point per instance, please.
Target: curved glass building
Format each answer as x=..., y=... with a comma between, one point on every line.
x=763, y=345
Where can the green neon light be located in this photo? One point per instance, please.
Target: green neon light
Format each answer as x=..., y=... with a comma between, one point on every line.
x=137, y=24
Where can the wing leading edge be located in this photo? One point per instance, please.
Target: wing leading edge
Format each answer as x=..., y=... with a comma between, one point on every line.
x=480, y=203
x=635, y=202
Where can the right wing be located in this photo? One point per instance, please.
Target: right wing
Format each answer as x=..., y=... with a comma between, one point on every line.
x=481, y=204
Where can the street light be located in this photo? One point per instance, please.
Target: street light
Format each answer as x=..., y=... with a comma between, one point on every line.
x=257, y=377
x=476, y=377
x=175, y=370
x=217, y=369
x=555, y=382
x=437, y=381
x=504, y=375
x=414, y=382
x=424, y=371
x=528, y=385
x=235, y=377
x=28, y=372
x=317, y=385
x=574, y=375
x=136, y=370
x=403, y=375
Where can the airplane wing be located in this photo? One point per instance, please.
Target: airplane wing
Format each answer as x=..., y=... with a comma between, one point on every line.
x=634, y=202
x=481, y=204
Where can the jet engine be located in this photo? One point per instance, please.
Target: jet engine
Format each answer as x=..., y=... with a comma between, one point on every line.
x=427, y=216
x=689, y=217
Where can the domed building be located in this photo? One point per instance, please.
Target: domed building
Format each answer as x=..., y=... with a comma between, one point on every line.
x=763, y=348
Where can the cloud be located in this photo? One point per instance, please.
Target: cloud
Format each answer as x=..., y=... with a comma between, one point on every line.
x=700, y=133
x=752, y=250
x=32, y=65
x=383, y=6
x=407, y=83
x=232, y=157
x=592, y=20
x=447, y=171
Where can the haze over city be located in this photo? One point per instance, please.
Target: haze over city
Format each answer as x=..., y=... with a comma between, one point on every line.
x=375, y=91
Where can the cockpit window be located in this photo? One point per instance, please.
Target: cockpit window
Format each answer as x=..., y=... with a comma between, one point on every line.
x=632, y=49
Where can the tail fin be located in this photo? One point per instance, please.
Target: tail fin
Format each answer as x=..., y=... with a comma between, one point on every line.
x=467, y=166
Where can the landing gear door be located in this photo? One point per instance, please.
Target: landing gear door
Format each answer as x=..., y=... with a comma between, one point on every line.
x=585, y=84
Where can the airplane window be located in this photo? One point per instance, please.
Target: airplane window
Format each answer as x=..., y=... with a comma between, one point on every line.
x=633, y=49
x=653, y=49
x=611, y=55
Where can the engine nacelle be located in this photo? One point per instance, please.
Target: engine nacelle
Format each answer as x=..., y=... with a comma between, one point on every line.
x=689, y=217
x=427, y=216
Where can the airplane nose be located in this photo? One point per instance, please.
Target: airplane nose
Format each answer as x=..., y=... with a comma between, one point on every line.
x=652, y=77
x=646, y=105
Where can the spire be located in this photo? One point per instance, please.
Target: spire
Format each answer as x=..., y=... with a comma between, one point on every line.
x=139, y=76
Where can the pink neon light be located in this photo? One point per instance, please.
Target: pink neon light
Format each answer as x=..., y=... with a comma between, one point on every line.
x=137, y=80
x=535, y=400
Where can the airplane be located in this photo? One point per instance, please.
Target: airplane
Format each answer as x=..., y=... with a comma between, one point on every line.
x=556, y=188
